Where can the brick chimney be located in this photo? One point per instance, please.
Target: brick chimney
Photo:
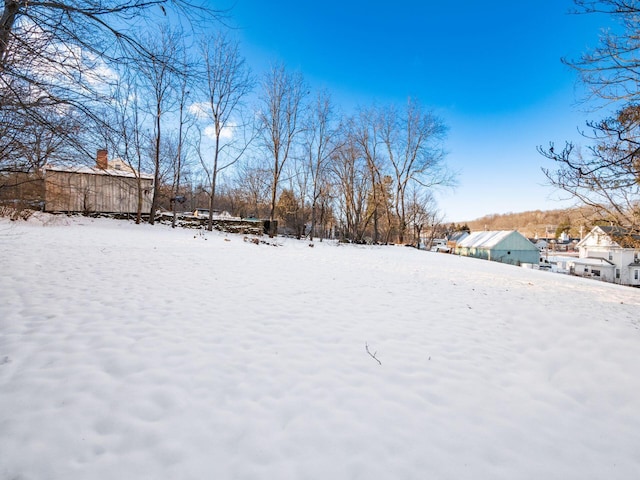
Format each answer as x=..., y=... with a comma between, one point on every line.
x=101, y=159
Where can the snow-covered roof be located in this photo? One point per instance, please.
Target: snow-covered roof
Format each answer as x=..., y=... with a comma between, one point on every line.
x=486, y=239
x=601, y=262
x=458, y=236
x=83, y=169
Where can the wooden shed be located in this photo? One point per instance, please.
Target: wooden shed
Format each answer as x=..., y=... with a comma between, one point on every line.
x=93, y=189
x=508, y=246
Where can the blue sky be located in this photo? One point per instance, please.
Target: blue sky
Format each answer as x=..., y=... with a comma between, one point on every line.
x=491, y=70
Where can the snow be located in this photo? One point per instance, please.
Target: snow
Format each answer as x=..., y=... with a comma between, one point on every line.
x=486, y=239
x=113, y=172
x=141, y=352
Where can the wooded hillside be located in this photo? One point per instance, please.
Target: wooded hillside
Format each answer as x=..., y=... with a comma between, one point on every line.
x=543, y=223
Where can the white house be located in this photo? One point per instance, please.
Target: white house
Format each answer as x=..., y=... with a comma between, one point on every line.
x=611, y=254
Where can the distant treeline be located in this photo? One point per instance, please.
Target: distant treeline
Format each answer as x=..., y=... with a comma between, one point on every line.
x=549, y=223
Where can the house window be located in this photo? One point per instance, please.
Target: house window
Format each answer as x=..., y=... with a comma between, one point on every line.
x=635, y=257
x=596, y=273
x=618, y=273
x=635, y=274
x=610, y=255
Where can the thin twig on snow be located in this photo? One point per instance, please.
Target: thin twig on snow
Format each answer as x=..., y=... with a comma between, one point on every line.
x=372, y=355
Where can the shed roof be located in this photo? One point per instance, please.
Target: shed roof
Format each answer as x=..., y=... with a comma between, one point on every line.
x=498, y=239
x=83, y=169
x=486, y=239
x=458, y=236
x=601, y=262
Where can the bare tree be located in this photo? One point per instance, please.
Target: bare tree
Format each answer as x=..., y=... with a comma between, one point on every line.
x=280, y=121
x=183, y=95
x=433, y=227
x=124, y=132
x=422, y=213
x=96, y=26
x=353, y=184
x=606, y=175
x=365, y=131
x=253, y=181
x=26, y=148
x=228, y=81
x=413, y=140
x=380, y=201
x=291, y=210
x=56, y=57
x=611, y=69
x=160, y=81
x=320, y=143
x=298, y=178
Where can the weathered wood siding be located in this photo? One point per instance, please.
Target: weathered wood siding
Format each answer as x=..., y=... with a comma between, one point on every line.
x=83, y=192
x=22, y=189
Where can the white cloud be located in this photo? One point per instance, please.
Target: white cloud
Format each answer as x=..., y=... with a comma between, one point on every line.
x=199, y=109
x=226, y=133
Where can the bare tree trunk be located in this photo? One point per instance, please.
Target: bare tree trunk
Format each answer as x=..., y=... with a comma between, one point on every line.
x=140, y=200
x=214, y=177
x=7, y=21
x=156, y=163
x=178, y=169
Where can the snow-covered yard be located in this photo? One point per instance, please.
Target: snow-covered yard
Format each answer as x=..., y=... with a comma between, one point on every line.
x=139, y=352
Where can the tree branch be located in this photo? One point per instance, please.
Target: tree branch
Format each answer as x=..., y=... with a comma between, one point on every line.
x=372, y=355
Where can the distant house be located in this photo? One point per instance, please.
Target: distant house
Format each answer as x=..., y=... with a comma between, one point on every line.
x=507, y=246
x=541, y=244
x=109, y=187
x=611, y=254
x=445, y=244
x=598, y=268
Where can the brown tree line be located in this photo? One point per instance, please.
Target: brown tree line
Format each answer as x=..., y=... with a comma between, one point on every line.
x=184, y=106
x=539, y=223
